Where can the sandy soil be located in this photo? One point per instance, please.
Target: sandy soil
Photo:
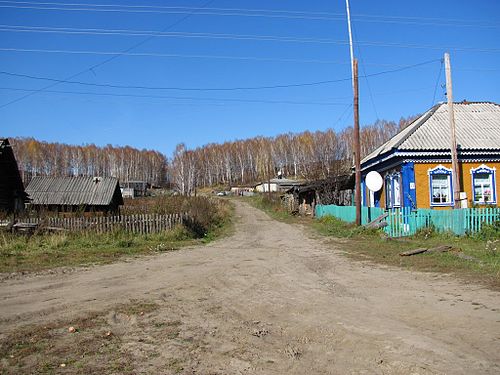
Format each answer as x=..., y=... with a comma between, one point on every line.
x=272, y=300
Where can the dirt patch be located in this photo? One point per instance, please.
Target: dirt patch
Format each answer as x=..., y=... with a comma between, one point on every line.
x=267, y=300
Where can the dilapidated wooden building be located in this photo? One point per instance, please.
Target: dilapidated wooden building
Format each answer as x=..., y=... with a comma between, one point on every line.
x=337, y=190
x=75, y=194
x=12, y=194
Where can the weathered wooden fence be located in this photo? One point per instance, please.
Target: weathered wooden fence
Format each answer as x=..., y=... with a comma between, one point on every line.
x=139, y=224
x=406, y=222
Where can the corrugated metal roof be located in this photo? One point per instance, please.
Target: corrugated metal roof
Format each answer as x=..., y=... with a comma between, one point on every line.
x=73, y=191
x=477, y=128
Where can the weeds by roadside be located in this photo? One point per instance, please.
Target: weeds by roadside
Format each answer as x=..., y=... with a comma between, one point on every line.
x=39, y=252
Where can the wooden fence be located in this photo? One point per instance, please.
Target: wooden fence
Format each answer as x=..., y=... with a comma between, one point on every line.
x=139, y=224
x=406, y=222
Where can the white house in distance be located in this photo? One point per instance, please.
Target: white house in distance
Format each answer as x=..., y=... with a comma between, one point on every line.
x=277, y=185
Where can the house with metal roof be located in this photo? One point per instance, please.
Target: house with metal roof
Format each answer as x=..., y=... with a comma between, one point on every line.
x=12, y=194
x=277, y=185
x=416, y=166
x=75, y=194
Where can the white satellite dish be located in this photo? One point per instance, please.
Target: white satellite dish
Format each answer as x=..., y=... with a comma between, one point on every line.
x=374, y=181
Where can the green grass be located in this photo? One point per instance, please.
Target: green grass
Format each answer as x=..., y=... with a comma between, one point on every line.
x=483, y=265
x=23, y=253
x=271, y=204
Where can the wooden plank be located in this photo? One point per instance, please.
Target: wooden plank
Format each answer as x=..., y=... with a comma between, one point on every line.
x=413, y=252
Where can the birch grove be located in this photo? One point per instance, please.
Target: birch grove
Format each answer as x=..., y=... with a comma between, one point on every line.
x=304, y=155
x=36, y=158
x=307, y=155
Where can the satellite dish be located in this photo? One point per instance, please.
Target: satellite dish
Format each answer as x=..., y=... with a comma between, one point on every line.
x=374, y=181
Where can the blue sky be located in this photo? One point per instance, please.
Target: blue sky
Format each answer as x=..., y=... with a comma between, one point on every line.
x=388, y=35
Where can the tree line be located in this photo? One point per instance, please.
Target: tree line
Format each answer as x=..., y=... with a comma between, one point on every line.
x=307, y=155
x=37, y=158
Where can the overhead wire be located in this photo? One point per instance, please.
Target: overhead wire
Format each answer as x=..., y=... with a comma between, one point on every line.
x=179, y=34
x=91, y=68
x=437, y=82
x=366, y=78
x=60, y=6
x=225, y=36
x=236, y=100
x=179, y=55
x=263, y=87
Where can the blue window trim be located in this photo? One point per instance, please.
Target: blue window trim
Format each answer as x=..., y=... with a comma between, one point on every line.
x=485, y=170
x=389, y=189
x=441, y=170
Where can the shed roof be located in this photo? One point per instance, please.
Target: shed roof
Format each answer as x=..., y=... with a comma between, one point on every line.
x=74, y=191
x=477, y=129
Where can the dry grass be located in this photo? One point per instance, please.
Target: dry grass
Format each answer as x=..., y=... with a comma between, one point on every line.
x=94, y=347
x=211, y=220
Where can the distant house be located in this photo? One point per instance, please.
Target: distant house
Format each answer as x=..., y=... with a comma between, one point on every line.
x=74, y=194
x=277, y=185
x=243, y=190
x=416, y=163
x=132, y=189
x=12, y=194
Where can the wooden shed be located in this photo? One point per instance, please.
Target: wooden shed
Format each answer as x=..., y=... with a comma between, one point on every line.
x=335, y=190
x=75, y=194
x=12, y=194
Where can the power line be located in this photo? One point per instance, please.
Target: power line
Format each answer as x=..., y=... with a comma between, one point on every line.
x=366, y=78
x=437, y=82
x=59, y=6
x=177, y=55
x=221, y=57
x=113, y=57
x=304, y=84
x=271, y=38
x=263, y=101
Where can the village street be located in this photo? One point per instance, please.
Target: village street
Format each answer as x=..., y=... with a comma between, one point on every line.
x=273, y=299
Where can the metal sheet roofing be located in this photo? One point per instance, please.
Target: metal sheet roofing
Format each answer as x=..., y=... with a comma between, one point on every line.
x=72, y=191
x=477, y=128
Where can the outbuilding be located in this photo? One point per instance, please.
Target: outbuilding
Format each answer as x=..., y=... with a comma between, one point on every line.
x=12, y=194
x=75, y=194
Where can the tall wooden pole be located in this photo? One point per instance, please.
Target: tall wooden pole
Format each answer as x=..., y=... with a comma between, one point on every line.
x=357, y=146
x=351, y=48
x=453, y=145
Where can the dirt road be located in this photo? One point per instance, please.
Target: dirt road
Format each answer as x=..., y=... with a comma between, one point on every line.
x=272, y=300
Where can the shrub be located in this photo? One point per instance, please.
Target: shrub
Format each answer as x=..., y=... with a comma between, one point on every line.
x=489, y=232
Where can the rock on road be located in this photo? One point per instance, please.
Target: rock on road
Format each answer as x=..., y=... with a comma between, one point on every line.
x=270, y=299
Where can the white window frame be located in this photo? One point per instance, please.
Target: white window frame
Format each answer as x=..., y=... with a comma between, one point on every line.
x=484, y=169
x=441, y=170
x=390, y=182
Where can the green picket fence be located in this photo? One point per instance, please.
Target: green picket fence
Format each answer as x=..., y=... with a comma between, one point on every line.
x=406, y=222
x=348, y=213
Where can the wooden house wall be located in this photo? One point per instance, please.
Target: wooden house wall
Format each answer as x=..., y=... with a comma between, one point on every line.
x=423, y=188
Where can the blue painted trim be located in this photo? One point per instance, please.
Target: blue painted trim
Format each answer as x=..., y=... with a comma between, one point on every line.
x=484, y=169
x=389, y=183
x=408, y=176
x=441, y=170
x=363, y=192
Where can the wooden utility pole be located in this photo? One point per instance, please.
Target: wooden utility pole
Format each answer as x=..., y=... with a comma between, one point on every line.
x=453, y=145
x=357, y=146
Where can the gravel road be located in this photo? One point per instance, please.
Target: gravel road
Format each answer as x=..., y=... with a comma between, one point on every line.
x=274, y=299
